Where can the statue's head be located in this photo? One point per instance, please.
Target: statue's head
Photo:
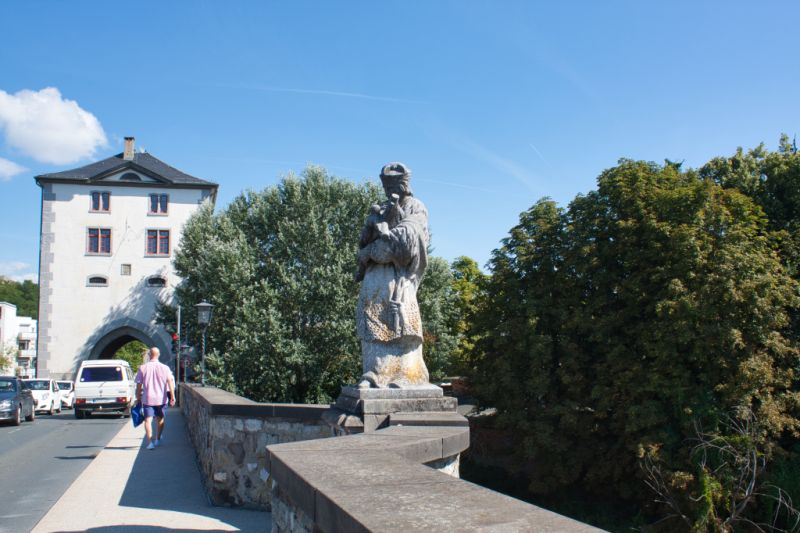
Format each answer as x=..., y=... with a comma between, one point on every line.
x=395, y=178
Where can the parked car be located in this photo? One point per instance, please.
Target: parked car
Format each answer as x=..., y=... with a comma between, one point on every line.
x=16, y=400
x=45, y=394
x=104, y=385
x=66, y=388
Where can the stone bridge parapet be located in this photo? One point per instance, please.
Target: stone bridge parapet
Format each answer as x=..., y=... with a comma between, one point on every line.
x=230, y=435
x=399, y=479
x=383, y=481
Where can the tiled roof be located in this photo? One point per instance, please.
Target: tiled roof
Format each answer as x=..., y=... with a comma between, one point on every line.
x=141, y=161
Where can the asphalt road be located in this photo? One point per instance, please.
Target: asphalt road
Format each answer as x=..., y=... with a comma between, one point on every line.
x=40, y=459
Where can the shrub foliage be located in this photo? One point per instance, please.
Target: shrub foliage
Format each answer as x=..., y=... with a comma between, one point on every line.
x=611, y=329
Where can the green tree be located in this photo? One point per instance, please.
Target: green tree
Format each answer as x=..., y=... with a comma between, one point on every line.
x=23, y=294
x=279, y=267
x=438, y=303
x=610, y=328
x=132, y=353
x=730, y=464
x=772, y=180
x=467, y=282
x=8, y=355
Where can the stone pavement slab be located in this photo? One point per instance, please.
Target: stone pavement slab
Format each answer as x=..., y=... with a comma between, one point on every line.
x=129, y=489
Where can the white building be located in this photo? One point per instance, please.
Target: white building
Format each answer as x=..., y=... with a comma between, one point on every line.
x=17, y=341
x=26, y=346
x=109, y=232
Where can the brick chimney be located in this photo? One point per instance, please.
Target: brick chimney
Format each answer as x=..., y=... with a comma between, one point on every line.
x=127, y=155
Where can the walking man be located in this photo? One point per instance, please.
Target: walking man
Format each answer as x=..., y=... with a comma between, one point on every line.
x=154, y=388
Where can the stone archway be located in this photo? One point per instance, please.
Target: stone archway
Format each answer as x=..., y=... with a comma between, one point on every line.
x=108, y=345
x=114, y=335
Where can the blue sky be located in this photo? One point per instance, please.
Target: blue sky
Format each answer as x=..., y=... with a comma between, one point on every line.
x=492, y=104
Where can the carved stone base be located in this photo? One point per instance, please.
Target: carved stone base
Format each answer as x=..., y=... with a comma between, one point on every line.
x=343, y=423
x=375, y=407
x=419, y=391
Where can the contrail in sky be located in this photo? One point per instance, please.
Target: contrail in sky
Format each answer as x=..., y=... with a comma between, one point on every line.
x=289, y=163
x=502, y=164
x=321, y=92
x=441, y=132
x=460, y=185
x=538, y=153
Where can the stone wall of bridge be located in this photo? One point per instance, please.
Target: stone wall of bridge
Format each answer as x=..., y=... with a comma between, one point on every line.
x=230, y=435
x=286, y=459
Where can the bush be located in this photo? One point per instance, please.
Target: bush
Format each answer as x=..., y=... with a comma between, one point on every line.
x=609, y=329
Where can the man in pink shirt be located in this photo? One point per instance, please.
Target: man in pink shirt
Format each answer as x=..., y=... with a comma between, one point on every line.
x=153, y=382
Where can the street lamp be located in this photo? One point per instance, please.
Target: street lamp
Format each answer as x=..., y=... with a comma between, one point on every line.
x=184, y=350
x=204, y=312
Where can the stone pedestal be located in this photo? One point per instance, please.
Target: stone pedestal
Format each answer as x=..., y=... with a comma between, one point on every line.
x=366, y=410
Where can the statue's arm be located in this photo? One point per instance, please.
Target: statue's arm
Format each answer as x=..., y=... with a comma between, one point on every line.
x=380, y=251
x=399, y=244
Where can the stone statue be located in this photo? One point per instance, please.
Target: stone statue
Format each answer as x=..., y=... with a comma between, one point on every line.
x=392, y=260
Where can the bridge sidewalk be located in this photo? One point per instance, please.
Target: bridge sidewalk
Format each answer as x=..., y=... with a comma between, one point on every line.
x=129, y=489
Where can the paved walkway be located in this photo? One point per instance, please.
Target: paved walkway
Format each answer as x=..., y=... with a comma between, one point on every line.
x=129, y=489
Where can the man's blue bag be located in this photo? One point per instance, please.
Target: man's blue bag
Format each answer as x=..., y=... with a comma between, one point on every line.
x=136, y=414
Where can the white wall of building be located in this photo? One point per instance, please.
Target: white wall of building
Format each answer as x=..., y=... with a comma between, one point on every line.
x=26, y=340
x=17, y=332
x=74, y=316
x=8, y=332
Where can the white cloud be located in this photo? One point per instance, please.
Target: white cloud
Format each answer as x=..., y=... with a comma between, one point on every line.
x=25, y=276
x=12, y=266
x=17, y=271
x=49, y=128
x=8, y=169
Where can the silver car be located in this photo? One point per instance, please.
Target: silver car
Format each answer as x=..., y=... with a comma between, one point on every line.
x=16, y=401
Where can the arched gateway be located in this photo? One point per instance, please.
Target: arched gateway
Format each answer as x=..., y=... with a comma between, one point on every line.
x=109, y=232
x=108, y=343
x=111, y=343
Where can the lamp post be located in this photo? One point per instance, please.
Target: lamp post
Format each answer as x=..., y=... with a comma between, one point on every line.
x=204, y=312
x=184, y=350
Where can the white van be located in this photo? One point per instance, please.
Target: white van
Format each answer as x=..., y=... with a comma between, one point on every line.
x=104, y=385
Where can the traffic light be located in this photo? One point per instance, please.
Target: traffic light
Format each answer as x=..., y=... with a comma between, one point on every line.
x=175, y=343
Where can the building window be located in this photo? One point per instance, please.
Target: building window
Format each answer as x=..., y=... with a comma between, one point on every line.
x=157, y=242
x=156, y=281
x=101, y=202
x=98, y=241
x=159, y=204
x=130, y=176
x=97, y=281
x=125, y=269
